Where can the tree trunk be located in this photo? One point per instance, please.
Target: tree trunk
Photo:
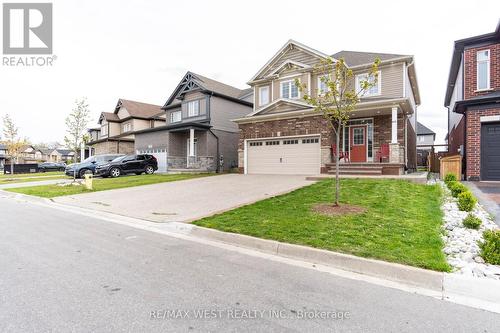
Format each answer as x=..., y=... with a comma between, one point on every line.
x=11, y=166
x=337, y=172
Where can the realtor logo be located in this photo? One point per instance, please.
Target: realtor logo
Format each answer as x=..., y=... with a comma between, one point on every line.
x=27, y=28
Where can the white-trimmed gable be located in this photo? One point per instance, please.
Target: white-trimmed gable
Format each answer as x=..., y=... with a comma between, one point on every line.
x=292, y=53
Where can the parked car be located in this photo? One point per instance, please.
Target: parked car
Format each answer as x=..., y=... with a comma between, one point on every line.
x=89, y=165
x=49, y=166
x=137, y=164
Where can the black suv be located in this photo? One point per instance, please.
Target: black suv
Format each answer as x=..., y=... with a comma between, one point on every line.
x=128, y=164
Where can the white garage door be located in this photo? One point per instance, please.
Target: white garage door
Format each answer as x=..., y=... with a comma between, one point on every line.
x=290, y=156
x=161, y=157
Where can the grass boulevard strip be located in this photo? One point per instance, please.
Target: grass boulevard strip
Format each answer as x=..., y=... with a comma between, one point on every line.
x=402, y=222
x=51, y=191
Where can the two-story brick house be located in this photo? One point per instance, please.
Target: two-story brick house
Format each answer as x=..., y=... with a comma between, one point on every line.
x=472, y=99
x=116, y=133
x=284, y=135
x=199, y=131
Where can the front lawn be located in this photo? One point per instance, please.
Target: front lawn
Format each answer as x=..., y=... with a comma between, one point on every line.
x=402, y=222
x=51, y=191
x=33, y=174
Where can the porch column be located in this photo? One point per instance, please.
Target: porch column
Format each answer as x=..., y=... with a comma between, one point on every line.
x=191, y=142
x=394, y=146
x=394, y=131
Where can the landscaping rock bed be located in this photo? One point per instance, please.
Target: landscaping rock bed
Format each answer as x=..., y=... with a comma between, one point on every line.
x=461, y=244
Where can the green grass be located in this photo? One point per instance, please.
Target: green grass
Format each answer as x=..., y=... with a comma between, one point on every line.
x=39, y=174
x=51, y=191
x=402, y=223
x=4, y=181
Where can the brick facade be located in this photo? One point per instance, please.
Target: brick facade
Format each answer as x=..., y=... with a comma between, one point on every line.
x=473, y=140
x=382, y=126
x=470, y=70
x=114, y=147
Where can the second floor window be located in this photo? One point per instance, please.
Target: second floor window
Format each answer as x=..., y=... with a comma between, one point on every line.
x=127, y=127
x=263, y=95
x=104, y=130
x=374, y=90
x=193, y=108
x=483, y=70
x=175, y=116
x=289, y=89
x=322, y=86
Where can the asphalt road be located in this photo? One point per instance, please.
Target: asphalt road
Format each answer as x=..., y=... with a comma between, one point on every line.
x=61, y=272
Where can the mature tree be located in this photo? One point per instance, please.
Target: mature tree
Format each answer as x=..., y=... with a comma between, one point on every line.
x=11, y=140
x=338, y=98
x=76, y=126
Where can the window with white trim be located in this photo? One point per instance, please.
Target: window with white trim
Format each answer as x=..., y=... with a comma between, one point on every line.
x=374, y=90
x=127, y=127
x=322, y=86
x=289, y=90
x=263, y=95
x=104, y=130
x=483, y=69
x=193, y=108
x=175, y=116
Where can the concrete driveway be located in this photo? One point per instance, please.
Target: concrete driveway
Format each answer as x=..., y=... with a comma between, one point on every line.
x=488, y=194
x=187, y=200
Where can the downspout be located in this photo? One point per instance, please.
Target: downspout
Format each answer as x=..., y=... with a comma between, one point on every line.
x=218, y=155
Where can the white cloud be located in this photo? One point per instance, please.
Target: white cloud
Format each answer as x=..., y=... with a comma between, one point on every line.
x=140, y=49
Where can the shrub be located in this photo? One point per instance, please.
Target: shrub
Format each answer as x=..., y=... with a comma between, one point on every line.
x=466, y=201
x=456, y=188
x=490, y=248
x=450, y=177
x=472, y=222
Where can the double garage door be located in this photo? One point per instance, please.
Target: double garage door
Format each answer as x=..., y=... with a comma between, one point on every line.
x=290, y=156
x=490, y=151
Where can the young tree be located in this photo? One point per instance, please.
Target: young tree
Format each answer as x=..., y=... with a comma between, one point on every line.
x=338, y=99
x=76, y=126
x=12, y=140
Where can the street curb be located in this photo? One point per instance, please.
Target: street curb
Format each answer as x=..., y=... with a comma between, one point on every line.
x=413, y=276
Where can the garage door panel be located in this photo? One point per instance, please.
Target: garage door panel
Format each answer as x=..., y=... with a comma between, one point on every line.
x=296, y=157
x=490, y=151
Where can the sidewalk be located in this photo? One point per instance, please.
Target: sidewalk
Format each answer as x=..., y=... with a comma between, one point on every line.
x=35, y=183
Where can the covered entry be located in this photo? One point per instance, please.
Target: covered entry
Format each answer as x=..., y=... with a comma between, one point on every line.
x=490, y=151
x=290, y=156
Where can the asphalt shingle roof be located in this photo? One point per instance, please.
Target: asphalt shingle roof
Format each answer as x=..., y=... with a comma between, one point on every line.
x=423, y=130
x=355, y=58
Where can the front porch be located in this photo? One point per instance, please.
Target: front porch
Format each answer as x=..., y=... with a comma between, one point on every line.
x=191, y=149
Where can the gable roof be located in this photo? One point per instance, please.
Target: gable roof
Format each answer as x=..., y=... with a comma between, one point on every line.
x=65, y=151
x=109, y=116
x=423, y=130
x=138, y=109
x=279, y=102
x=192, y=80
x=456, y=58
x=289, y=44
x=356, y=58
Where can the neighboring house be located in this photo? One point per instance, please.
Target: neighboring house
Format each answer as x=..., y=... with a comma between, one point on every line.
x=30, y=155
x=472, y=99
x=425, y=137
x=425, y=143
x=61, y=155
x=117, y=129
x=3, y=155
x=198, y=131
x=283, y=134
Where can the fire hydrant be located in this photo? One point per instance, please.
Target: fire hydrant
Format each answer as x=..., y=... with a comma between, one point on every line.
x=88, y=181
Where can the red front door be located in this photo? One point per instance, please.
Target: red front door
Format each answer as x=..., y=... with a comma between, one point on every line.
x=358, y=143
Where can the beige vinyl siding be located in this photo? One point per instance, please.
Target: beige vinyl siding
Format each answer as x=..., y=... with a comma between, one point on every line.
x=114, y=129
x=294, y=54
x=391, y=77
x=123, y=113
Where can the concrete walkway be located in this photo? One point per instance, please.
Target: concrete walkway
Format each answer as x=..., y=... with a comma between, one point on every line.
x=188, y=200
x=488, y=194
x=35, y=183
